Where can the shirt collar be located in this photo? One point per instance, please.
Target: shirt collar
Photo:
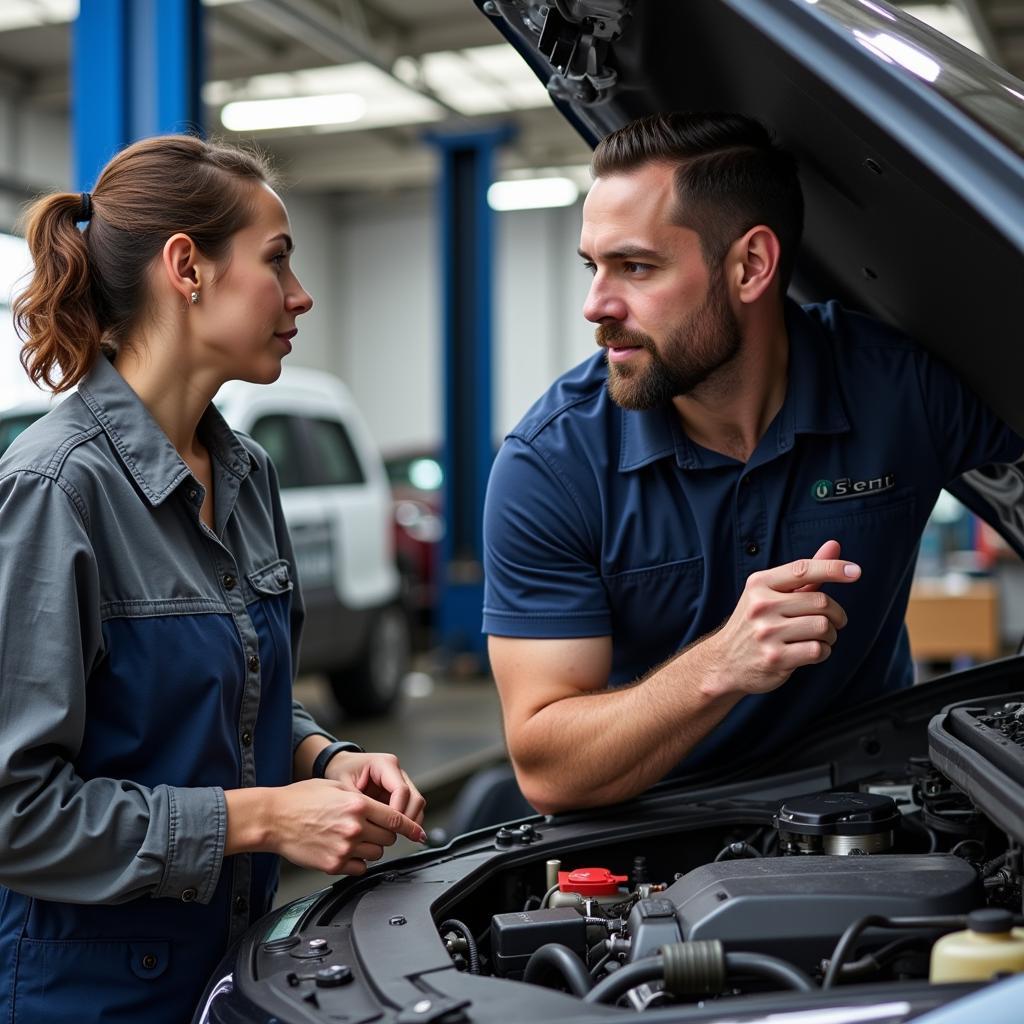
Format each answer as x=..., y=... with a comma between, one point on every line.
x=141, y=444
x=647, y=436
x=813, y=404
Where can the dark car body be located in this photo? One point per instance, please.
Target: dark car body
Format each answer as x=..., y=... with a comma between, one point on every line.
x=912, y=159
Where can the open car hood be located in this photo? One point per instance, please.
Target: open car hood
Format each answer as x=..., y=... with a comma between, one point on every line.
x=951, y=753
x=911, y=150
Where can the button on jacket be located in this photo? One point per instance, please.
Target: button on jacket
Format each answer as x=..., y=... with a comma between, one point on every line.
x=601, y=521
x=145, y=667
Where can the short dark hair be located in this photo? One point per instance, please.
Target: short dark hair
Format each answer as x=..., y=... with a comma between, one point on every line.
x=730, y=175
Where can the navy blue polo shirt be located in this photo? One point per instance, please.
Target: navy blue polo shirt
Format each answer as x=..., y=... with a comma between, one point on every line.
x=602, y=521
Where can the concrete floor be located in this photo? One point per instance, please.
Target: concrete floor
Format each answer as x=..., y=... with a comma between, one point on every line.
x=443, y=730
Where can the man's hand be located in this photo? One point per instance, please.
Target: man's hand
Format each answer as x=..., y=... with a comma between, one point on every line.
x=781, y=623
x=320, y=824
x=380, y=777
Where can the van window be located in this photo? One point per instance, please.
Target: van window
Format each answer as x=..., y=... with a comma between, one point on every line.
x=332, y=457
x=280, y=436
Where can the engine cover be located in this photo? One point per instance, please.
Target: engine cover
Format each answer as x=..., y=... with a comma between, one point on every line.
x=797, y=907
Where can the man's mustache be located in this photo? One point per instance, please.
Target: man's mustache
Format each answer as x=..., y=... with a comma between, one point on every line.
x=617, y=336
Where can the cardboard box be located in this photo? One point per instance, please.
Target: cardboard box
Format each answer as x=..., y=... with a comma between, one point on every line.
x=949, y=619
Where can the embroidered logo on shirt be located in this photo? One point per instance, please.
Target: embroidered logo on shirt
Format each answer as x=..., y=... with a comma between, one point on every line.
x=837, y=490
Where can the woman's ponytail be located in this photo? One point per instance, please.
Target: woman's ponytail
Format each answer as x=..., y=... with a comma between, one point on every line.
x=90, y=290
x=56, y=315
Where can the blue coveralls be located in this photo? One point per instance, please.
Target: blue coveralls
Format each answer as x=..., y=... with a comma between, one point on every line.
x=145, y=667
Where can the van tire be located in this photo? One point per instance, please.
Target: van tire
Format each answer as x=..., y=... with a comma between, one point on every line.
x=371, y=685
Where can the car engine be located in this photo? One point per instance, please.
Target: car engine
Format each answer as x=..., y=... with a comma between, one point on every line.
x=873, y=873
x=816, y=890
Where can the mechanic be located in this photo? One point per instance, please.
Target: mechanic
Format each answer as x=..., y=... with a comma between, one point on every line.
x=660, y=525
x=152, y=761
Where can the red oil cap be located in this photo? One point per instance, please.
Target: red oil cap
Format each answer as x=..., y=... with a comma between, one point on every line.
x=590, y=882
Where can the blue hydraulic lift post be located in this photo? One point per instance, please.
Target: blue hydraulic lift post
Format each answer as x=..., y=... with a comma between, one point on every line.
x=466, y=221
x=137, y=70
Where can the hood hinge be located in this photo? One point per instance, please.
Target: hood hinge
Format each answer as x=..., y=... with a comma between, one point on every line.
x=575, y=37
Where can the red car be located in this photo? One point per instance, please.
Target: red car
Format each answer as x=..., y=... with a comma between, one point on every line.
x=416, y=485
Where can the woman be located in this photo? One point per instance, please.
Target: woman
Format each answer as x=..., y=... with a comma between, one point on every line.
x=149, y=745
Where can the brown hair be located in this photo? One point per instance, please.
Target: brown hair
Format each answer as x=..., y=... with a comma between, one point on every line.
x=88, y=288
x=730, y=176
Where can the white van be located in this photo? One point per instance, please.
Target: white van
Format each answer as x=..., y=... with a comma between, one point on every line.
x=337, y=503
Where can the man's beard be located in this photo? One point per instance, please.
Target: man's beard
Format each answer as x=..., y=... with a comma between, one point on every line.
x=707, y=340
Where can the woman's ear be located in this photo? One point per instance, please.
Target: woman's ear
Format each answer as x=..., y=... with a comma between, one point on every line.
x=180, y=262
x=757, y=254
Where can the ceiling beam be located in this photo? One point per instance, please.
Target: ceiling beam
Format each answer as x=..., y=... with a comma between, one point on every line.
x=329, y=35
x=369, y=162
x=236, y=34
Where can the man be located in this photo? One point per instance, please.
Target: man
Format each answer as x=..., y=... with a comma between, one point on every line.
x=661, y=525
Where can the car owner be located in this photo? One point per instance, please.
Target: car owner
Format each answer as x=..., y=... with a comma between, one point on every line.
x=152, y=762
x=683, y=527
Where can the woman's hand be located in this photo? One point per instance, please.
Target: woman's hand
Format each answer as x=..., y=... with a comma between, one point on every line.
x=317, y=824
x=378, y=776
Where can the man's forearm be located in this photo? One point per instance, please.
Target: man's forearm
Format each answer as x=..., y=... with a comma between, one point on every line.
x=579, y=745
x=604, y=747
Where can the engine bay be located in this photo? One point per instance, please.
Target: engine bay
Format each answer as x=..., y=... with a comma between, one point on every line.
x=882, y=867
x=760, y=903
x=818, y=890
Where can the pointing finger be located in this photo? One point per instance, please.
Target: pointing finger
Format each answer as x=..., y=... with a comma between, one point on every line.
x=830, y=549
x=811, y=571
x=395, y=821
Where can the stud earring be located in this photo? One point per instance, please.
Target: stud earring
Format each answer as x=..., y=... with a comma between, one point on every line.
x=195, y=298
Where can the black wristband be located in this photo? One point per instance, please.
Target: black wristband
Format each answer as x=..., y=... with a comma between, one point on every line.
x=325, y=755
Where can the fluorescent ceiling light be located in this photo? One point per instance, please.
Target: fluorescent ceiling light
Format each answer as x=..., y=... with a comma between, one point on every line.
x=532, y=193
x=479, y=80
x=386, y=102
x=293, y=112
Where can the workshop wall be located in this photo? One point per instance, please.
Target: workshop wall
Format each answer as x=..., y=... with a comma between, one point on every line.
x=386, y=326
x=35, y=155
x=371, y=265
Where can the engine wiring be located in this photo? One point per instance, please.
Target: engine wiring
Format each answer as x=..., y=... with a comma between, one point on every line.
x=619, y=939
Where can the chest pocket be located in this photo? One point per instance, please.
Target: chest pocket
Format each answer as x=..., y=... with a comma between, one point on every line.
x=654, y=612
x=881, y=538
x=272, y=579
x=269, y=602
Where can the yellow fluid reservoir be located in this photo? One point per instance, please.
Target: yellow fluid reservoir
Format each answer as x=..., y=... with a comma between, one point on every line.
x=990, y=946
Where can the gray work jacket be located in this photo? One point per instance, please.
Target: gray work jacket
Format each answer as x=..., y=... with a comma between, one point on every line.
x=146, y=665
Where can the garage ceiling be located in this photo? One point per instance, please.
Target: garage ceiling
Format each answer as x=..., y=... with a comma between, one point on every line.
x=442, y=54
